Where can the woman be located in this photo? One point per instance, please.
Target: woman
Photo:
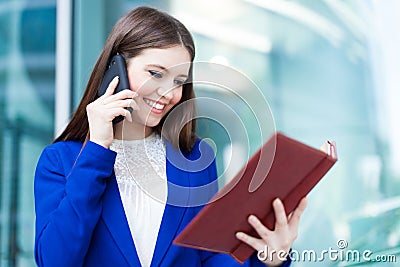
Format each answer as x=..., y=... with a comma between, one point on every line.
x=101, y=201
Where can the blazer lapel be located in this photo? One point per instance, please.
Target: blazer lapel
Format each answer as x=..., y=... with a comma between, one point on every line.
x=178, y=196
x=115, y=219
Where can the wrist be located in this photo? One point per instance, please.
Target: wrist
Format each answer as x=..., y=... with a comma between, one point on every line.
x=275, y=264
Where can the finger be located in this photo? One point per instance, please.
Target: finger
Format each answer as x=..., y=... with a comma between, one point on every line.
x=115, y=112
x=134, y=105
x=124, y=103
x=253, y=242
x=111, y=87
x=260, y=228
x=125, y=94
x=296, y=214
x=135, y=94
x=128, y=115
x=280, y=214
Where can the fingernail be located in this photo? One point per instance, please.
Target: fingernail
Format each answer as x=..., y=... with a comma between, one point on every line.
x=252, y=217
x=134, y=105
x=128, y=116
x=278, y=201
x=239, y=234
x=116, y=78
x=134, y=94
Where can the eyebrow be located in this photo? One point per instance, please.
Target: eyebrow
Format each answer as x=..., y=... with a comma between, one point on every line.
x=166, y=69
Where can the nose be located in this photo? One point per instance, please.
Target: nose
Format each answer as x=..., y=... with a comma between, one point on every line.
x=167, y=92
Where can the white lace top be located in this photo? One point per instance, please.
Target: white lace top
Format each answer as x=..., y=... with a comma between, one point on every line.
x=140, y=169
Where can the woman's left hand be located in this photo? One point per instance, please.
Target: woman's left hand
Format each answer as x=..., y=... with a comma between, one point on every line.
x=279, y=240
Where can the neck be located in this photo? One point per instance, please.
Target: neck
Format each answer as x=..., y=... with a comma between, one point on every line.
x=131, y=131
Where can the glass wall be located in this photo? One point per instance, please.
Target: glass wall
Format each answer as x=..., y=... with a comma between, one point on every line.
x=27, y=76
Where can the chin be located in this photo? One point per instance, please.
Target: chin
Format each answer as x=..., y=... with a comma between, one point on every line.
x=152, y=123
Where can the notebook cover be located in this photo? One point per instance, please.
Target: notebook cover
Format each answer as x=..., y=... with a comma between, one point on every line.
x=294, y=169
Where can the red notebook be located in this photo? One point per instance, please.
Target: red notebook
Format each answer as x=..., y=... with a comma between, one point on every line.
x=282, y=167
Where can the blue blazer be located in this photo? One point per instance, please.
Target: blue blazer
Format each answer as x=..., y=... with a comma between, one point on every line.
x=80, y=219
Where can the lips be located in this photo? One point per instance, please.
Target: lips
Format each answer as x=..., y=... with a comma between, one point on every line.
x=154, y=104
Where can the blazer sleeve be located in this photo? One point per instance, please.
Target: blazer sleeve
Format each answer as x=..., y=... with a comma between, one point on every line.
x=68, y=202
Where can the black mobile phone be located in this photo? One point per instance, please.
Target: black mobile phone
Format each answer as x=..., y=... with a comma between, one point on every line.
x=116, y=67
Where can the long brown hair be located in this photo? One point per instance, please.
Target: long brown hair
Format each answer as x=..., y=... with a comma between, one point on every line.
x=140, y=29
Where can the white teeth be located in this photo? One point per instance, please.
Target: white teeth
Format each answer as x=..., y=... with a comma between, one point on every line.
x=154, y=104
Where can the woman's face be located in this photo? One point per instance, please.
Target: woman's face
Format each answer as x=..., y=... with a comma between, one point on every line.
x=157, y=75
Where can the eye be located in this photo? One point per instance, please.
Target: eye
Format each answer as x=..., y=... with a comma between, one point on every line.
x=156, y=74
x=178, y=82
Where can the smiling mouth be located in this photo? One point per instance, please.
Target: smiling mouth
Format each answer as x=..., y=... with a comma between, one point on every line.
x=153, y=104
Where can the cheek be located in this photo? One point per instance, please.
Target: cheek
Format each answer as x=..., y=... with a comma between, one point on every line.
x=142, y=88
x=177, y=97
x=138, y=83
x=135, y=85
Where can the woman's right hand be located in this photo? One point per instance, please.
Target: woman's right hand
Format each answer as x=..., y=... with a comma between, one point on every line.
x=104, y=109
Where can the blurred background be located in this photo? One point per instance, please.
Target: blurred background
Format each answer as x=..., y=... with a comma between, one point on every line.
x=329, y=69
